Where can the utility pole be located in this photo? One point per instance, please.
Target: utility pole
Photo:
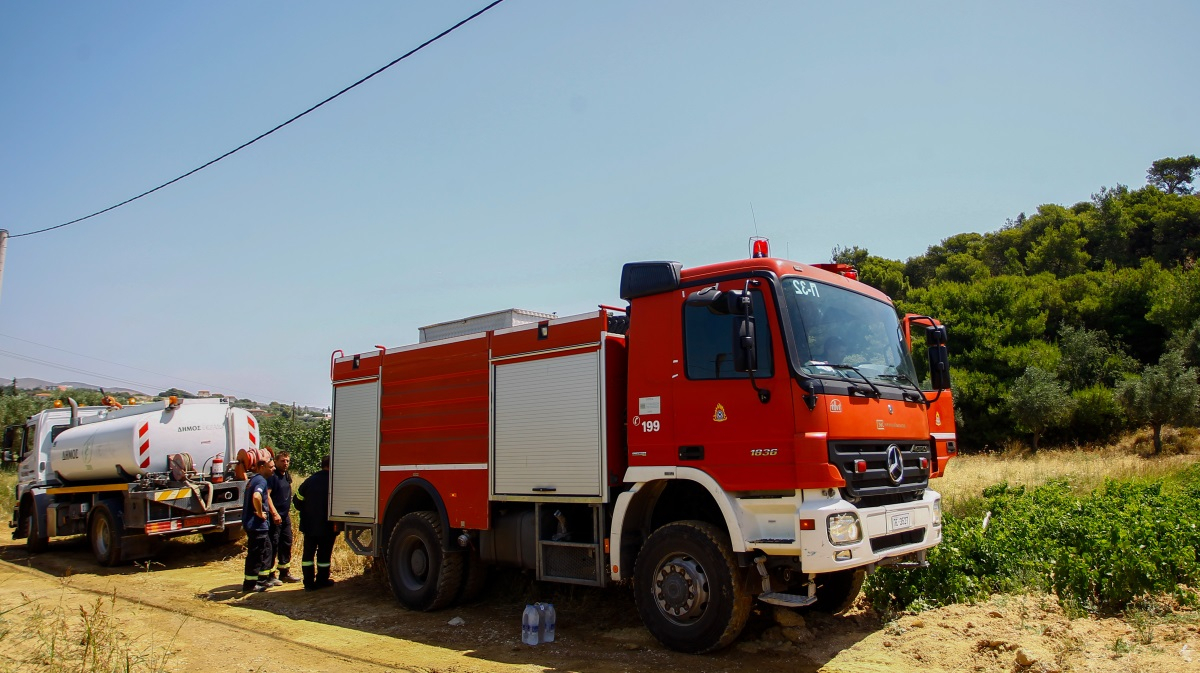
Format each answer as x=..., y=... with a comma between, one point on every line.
x=3, y=249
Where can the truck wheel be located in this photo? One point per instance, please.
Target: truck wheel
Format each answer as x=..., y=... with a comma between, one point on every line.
x=837, y=590
x=422, y=576
x=105, y=537
x=34, y=543
x=689, y=590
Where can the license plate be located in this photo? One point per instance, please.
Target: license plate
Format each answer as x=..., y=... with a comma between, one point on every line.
x=901, y=521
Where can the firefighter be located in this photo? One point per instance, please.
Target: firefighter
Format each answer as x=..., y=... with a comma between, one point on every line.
x=312, y=499
x=254, y=521
x=279, y=486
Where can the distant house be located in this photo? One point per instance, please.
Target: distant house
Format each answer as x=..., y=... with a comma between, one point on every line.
x=43, y=395
x=203, y=393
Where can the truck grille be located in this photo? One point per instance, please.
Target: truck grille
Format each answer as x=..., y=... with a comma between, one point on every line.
x=875, y=487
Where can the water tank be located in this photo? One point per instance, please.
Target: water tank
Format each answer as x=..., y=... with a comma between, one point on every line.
x=129, y=442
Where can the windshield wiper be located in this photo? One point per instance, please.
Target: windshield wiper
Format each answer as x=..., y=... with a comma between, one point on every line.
x=878, y=392
x=918, y=397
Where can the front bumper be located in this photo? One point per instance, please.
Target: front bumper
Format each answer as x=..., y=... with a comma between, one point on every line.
x=772, y=526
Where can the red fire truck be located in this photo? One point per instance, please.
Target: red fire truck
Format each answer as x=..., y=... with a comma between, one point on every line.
x=745, y=430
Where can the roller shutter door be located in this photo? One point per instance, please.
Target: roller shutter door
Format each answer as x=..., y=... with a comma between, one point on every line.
x=547, y=429
x=354, y=480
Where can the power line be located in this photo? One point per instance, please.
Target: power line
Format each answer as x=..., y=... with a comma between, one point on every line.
x=56, y=365
x=173, y=377
x=264, y=135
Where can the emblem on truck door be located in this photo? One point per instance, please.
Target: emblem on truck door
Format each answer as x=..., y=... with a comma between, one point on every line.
x=719, y=414
x=895, y=464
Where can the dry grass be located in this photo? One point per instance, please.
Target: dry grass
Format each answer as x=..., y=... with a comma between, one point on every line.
x=1084, y=467
x=41, y=635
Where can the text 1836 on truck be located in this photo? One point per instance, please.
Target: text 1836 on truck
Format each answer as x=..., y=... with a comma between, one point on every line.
x=740, y=431
x=126, y=477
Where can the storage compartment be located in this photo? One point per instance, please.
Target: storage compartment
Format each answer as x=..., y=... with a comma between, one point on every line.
x=548, y=437
x=354, y=473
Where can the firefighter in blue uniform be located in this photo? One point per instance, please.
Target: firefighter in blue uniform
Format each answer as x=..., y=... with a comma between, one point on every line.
x=279, y=485
x=255, y=513
x=312, y=500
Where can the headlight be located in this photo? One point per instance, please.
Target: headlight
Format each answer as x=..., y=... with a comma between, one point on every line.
x=937, y=512
x=844, y=528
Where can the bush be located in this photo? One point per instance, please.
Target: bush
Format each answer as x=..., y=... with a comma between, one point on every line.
x=1098, y=415
x=1097, y=551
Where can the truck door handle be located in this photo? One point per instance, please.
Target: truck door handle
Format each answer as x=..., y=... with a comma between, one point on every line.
x=350, y=513
x=544, y=489
x=691, y=453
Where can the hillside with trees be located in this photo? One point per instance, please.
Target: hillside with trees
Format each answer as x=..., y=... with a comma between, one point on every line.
x=1071, y=324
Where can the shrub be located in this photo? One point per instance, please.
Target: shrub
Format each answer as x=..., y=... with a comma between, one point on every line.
x=1097, y=551
x=1098, y=415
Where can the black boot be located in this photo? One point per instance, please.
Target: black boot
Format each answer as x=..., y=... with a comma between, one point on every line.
x=309, y=582
x=323, y=577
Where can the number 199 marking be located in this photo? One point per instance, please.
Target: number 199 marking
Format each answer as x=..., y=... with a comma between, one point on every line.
x=650, y=426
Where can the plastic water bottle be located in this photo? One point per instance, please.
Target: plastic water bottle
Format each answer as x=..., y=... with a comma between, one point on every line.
x=548, y=617
x=531, y=622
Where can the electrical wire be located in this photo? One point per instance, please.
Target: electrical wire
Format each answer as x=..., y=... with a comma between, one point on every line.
x=57, y=365
x=264, y=135
x=254, y=396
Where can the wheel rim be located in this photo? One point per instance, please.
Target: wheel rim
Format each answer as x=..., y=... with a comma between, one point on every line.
x=414, y=563
x=100, y=536
x=681, y=589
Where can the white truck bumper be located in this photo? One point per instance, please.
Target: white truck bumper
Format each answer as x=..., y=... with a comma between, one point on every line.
x=799, y=527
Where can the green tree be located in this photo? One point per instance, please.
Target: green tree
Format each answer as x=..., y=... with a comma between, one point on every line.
x=307, y=442
x=1174, y=175
x=885, y=275
x=1165, y=394
x=1089, y=358
x=1060, y=250
x=1038, y=401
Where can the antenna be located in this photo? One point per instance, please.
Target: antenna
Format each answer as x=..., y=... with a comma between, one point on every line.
x=755, y=219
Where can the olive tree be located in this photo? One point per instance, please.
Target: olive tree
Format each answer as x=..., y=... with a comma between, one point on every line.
x=1038, y=401
x=1165, y=394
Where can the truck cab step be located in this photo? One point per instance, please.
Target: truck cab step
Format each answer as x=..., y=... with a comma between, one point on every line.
x=786, y=600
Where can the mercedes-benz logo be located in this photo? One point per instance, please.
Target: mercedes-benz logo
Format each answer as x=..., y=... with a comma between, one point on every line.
x=895, y=464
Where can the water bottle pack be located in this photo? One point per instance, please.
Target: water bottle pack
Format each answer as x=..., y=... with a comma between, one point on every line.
x=538, y=623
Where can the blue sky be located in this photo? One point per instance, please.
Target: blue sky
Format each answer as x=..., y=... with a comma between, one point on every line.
x=520, y=161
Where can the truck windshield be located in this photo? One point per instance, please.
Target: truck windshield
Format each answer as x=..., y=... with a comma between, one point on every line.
x=835, y=326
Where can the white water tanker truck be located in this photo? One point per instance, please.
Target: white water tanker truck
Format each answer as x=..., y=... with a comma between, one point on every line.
x=130, y=477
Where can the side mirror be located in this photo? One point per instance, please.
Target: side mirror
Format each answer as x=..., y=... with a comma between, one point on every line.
x=745, y=348
x=939, y=357
x=10, y=435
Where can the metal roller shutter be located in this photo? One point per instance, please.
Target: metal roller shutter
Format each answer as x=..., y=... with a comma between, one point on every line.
x=547, y=431
x=354, y=479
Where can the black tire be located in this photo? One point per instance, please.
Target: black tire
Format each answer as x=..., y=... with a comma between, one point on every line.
x=423, y=576
x=475, y=574
x=689, y=590
x=105, y=536
x=34, y=543
x=836, y=591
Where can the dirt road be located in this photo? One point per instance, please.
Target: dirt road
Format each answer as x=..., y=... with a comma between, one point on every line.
x=187, y=615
